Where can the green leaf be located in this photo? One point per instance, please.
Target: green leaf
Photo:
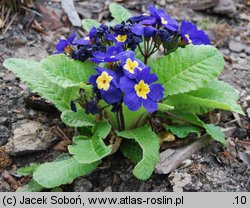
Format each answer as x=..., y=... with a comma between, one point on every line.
x=89, y=23
x=188, y=68
x=119, y=12
x=38, y=81
x=29, y=170
x=54, y=174
x=131, y=150
x=133, y=118
x=215, y=132
x=149, y=143
x=67, y=72
x=215, y=95
x=94, y=149
x=183, y=131
x=32, y=186
x=164, y=107
x=212, y=130
x=77, y=119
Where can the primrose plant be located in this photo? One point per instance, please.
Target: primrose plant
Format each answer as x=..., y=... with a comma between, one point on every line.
x=121, y=86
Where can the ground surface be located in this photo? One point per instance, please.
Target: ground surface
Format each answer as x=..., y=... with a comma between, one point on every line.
x=212, y=169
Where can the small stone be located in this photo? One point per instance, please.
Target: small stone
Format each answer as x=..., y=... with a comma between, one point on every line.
x=236, y=46
x=247, y=49
x=225, y=51
x=82, y=185
x=243, y=55
x=108, y=189
x=225, y=7
x=248, y=112
x=28, y=137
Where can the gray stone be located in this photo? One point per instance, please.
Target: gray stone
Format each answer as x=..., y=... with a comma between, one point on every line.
x=247, y=49
x=225, y=51
x=248, y=112
x=236, y=46
x=225, y=7
x=4, y=134
x=82, y=185
x=28, y=137
x=108, y=189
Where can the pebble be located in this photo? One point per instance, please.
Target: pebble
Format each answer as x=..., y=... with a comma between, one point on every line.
x=248, y=112
x=236, y=46
x=82, y=185
x=247, y=49
x=28, y=137
x=225, y=7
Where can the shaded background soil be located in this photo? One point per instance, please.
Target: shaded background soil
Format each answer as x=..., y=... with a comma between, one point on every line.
x=32, y=33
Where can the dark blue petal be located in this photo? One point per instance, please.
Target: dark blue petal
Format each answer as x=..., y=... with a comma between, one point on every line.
x=92, y=79
x=132, y=101
x=127, y=85
x=82, y=41
x=71, y=37
x=156, y=92
x=92, y=33
x=150, y=105
x=146, y=76
x=61, y=45
x=112, y=95
x=138, y=30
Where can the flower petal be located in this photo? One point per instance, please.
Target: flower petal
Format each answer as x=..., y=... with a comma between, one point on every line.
x=113, y=95
x=146, y=76
x=132, y=101
x=156, y=92
x=61, y=45
x=71, y=37
x=127, y=85
x=150, y=105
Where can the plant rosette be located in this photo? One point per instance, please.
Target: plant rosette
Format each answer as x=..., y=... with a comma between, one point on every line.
x=124, y=84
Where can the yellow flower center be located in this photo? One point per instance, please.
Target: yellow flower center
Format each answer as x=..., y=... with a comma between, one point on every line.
x=121, y=38
x=87, y=38
x=131, y=65
x=188, y=38
x=103, y=81
x=163, y=21
x=142, y=89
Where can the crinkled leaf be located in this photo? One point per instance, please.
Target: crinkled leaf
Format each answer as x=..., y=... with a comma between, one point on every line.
x=77, y=119
x=29, y=170
x=89, y=23
x=54, y=174
x=215, y=95
x=149, y=143
x=94, y=149
x=38, y=81
x=215, y=132
x=32, y=186
x=67, y=72
x=188, y=69
x=131, y=150
x=183, y=131
x=119, y=12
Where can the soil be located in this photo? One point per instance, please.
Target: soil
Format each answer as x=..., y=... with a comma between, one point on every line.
x=212, y=169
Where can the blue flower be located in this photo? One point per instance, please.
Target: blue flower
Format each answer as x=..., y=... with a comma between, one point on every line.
x=142, y=30
x=142, y=91
x=88, y=39
x=65, y=45
x=106, y=82
x=92, y=107
x=162, y=18
x=110, y=56
x=131, y=65
x=192, y=35
x=156, y=17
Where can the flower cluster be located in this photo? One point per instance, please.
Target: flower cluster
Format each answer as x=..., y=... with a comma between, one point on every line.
x=121, y=77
